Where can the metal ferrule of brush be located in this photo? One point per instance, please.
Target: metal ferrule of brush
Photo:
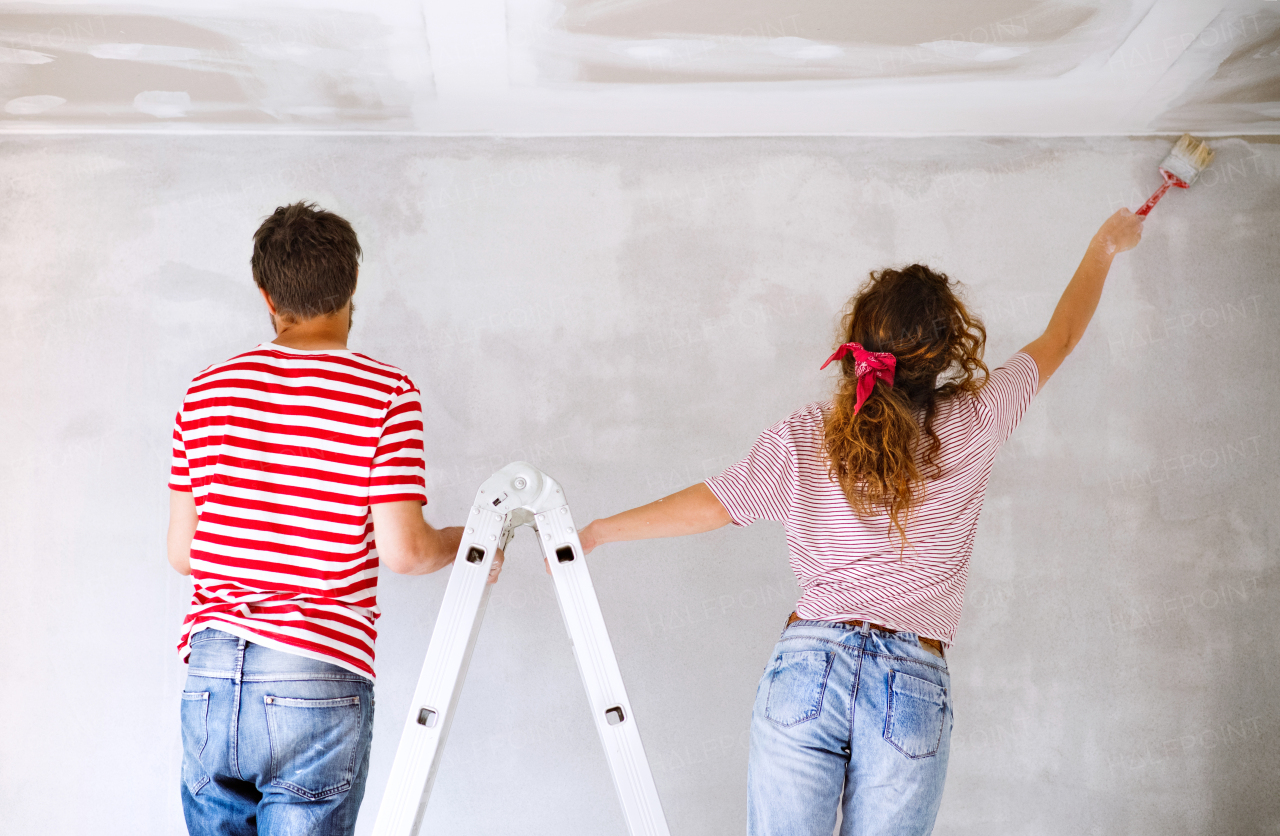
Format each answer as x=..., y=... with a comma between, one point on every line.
x=1183, y=169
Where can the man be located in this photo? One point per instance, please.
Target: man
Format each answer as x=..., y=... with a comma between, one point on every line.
x=288, y=461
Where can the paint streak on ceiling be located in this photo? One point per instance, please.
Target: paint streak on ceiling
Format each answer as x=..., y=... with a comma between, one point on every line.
x=851, y=21
x=1245, y=88
x=92, y=68
x=638, y=41
x=645, y=66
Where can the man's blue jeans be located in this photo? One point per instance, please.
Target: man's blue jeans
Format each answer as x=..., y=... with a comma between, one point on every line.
x=272, y=743
x=852, y=710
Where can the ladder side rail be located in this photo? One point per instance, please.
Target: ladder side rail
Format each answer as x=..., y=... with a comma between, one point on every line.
x=444, y=671
x=598, y=666
x=518, y=494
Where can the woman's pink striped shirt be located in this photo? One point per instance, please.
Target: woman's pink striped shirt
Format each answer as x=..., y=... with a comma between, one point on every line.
x=851, y=567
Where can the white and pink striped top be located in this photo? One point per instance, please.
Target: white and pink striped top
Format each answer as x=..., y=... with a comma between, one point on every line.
x=851, y=567
x=284, y=451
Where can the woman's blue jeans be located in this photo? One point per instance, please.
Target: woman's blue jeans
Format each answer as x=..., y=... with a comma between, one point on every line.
x=272, y=743
x=849, y=710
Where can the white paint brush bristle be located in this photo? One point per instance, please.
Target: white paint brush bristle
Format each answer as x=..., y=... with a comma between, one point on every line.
x=1189, y=157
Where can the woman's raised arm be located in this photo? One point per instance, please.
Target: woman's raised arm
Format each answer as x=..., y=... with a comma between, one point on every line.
x=1122, y=231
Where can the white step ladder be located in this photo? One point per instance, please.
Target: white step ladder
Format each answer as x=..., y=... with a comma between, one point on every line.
x=517, y=495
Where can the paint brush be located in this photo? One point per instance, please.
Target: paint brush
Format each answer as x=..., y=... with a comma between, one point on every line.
x=1189, y=157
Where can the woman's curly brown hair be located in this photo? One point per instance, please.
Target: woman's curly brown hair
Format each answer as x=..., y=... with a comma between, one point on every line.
x=876, y=454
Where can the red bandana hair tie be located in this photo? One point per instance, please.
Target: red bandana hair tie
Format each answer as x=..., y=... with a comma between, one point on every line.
x=869, y=366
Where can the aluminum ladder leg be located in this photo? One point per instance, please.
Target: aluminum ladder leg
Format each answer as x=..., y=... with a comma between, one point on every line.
x=517, y=495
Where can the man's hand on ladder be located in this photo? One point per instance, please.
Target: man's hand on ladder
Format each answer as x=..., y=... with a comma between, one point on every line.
x=496, y=568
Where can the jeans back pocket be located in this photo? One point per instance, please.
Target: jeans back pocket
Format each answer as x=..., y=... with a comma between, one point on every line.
x=314, y=744
x=917, y=713
x=796, y=686
x=195, y=737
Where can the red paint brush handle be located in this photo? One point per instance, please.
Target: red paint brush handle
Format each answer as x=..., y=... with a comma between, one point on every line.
x=1169, y=180
x=1154, y=199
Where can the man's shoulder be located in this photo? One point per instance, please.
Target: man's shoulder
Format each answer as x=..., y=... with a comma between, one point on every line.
x=384, y=368
x=265, y=352
x=230, y=362
x=270, y=360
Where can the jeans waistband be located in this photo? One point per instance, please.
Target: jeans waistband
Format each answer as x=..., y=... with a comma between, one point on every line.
x=931, y=645
x=218, y=654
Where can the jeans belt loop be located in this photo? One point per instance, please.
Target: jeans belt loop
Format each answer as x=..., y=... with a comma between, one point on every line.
x=240, y=651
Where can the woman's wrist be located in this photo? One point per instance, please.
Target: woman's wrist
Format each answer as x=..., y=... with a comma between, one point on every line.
x=1104, y=246
x=590, y=537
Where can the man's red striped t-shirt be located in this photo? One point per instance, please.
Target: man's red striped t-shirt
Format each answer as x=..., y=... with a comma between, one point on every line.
x=284, y=450
x=852, y=567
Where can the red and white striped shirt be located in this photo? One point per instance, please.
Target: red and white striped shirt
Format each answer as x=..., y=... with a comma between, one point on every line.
x=284, y=450
x=854, y=568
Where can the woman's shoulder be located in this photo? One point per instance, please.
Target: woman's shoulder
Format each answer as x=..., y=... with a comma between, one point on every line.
x=811, y=413
x=1016, y=376
x=805, y=423
x=960, y=409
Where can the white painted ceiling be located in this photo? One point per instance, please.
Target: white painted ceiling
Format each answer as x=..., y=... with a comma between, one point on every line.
x=668, y=67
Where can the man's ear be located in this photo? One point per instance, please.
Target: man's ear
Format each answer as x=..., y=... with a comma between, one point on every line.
x=271, y=306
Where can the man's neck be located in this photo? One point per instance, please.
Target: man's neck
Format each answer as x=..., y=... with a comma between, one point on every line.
x=318, y=334
x=310, y=345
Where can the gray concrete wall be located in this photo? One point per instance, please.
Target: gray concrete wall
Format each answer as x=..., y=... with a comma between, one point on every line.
x=629, y=314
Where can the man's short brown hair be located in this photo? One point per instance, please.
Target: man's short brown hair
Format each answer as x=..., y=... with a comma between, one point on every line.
x=306, y=260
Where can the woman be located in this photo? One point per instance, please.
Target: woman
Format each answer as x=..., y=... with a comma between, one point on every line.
x=879, y=490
